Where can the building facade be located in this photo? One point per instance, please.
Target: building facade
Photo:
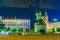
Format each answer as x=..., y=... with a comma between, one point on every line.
x=16, y=23
x=55, y=25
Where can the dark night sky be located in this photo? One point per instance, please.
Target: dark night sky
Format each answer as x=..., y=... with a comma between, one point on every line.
x=25, y=8
x=50, y=4
x=27, y=13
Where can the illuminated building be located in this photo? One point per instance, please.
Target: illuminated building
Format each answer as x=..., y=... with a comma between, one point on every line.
x=0, y=17
x=16, y=23
x=54, y=25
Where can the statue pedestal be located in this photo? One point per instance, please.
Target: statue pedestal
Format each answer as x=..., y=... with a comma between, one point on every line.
x=38, y=27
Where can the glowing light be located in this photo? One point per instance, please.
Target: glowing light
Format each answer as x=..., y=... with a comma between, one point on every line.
x=55, y=19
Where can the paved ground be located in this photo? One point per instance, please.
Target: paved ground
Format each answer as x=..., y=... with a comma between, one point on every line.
x=37, y=37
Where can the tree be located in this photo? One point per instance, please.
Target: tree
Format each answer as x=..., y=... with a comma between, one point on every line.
x=58, y=29
x=32, y=30
x=20, y=30
x=8, y=29
x=13, y=30
x=2, y=26
x=53, y=30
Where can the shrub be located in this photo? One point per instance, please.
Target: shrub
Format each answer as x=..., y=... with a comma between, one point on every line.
x=53, y=30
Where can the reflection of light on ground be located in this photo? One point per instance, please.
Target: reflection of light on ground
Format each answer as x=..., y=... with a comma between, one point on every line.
x=37, y=37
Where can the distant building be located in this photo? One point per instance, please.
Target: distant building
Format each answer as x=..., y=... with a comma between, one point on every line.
x=0, y=17
x=54, y=25
x=16, y=23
